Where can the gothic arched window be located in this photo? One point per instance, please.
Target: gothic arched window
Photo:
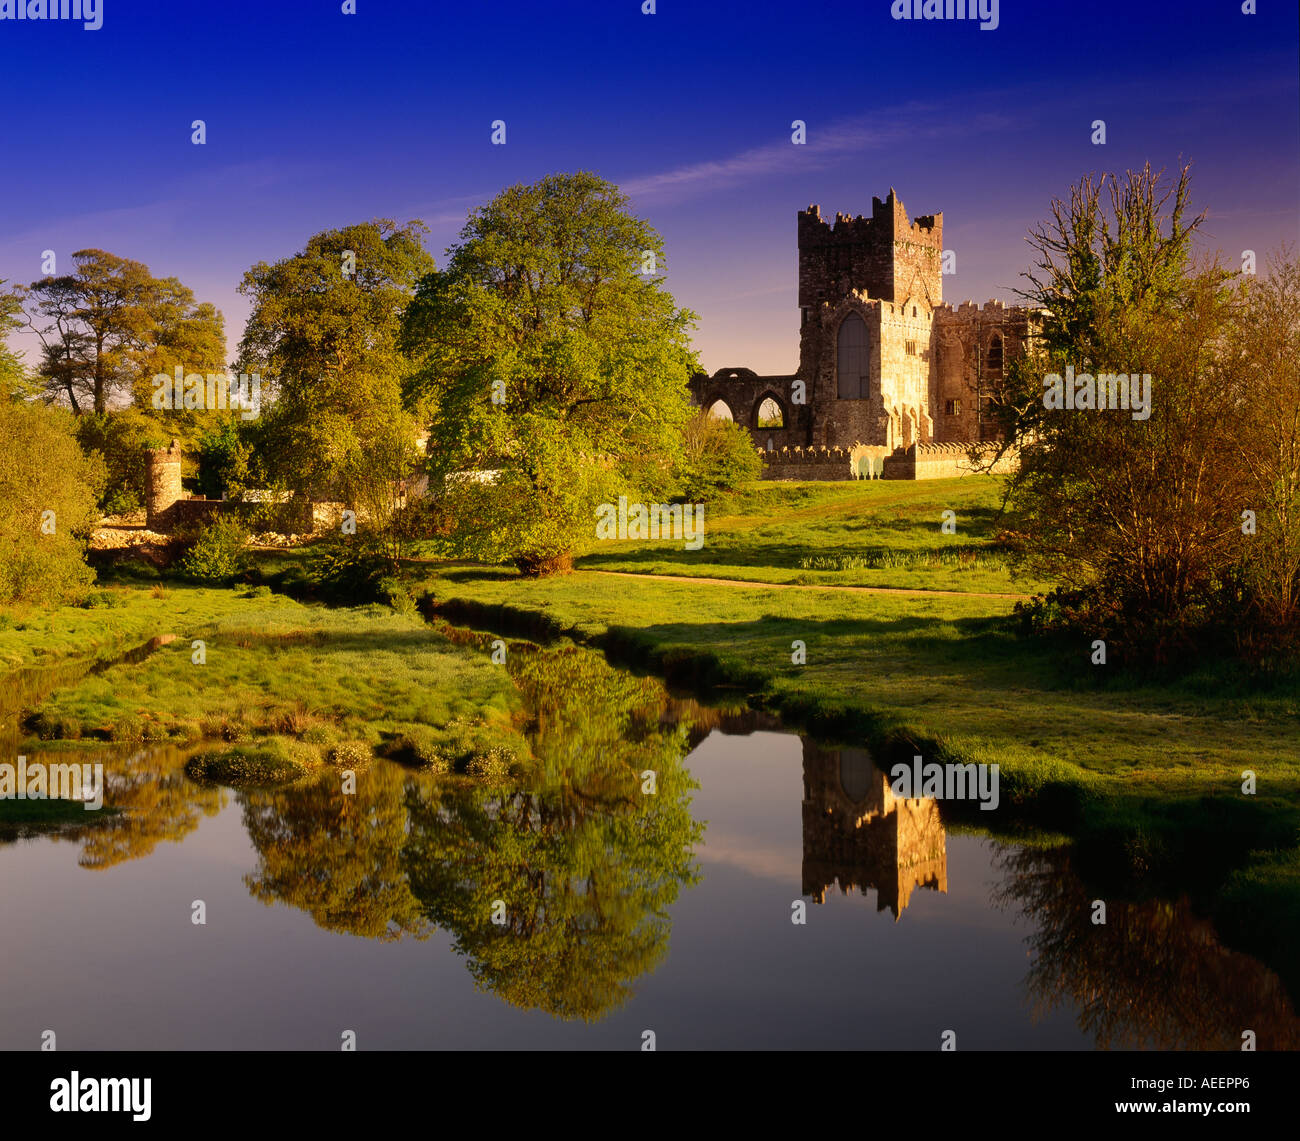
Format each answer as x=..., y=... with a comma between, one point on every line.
x=853, y=360
x=770, y=414
x=995, y=354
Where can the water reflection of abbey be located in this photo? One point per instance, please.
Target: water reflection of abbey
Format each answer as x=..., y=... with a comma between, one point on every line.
x=858, y=834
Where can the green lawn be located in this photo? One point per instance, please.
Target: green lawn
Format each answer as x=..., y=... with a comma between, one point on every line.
x=117, y=617
x=946, y=668
x=273, y=666
x=884, y=533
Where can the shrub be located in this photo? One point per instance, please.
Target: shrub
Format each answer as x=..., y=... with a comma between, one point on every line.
x=48, y=504
x=720, y=457
x=242, y=767
x=491, y=764
x=53, y=728
x=397, y=594
x=100, y=599
x=351, y=755
x=421, y=746
x=128, y=727
x=348, y=567
x=120, y=500
x=320, y=734
x=217, y=554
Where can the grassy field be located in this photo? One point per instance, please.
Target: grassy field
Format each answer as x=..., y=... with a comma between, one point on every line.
x=115, y=617
x=881, y=533
x=946, y=669
x=356, y=676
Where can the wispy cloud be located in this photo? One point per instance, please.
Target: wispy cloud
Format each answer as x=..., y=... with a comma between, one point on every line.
x=842, y=140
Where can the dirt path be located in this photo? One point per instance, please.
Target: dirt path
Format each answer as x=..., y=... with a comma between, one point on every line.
x=811, y=586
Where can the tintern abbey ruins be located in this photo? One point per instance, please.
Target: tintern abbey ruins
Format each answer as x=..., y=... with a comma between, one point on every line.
x=894, y=382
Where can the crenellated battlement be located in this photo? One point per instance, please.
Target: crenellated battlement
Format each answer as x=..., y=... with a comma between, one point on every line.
x=882, y=254
x=991, y=308
x=810, y=455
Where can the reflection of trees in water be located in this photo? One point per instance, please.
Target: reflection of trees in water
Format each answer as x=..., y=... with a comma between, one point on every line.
x=1153, y=976
x=585, y=880
x=585, y=863
x=336, y=856
x=155, y=801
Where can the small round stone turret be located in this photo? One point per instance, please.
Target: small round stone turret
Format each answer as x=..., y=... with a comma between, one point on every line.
x=164, y=489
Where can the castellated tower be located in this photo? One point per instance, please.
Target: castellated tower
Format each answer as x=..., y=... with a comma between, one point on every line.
x=868, y=289
x=890, y=377
x=164, y=489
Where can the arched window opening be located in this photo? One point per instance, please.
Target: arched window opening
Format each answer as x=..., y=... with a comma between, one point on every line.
x=995, y=355
x=718, y=410
x=770, y=414
x=853, y=362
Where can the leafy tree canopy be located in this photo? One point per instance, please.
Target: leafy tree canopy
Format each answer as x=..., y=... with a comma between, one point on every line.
x=110, y=325
x=549, y=356
x=323, y=334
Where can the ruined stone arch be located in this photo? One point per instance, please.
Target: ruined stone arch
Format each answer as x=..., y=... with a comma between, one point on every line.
x=779, y=401
x=711, y=408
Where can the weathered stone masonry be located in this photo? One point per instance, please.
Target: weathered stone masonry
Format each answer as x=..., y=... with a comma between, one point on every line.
x=884, y=362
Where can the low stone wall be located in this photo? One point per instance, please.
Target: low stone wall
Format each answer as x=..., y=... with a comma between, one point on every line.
x=940, y=461
x=288, y=518
x=808, y=463
x=195, y=512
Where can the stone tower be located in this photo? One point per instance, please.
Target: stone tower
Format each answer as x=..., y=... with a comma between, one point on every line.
x=164, y=489
x=884, y=256
x=888, y=373
x=868, y=290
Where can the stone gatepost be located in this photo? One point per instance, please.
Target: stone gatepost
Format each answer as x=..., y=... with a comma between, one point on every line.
x=164, y=487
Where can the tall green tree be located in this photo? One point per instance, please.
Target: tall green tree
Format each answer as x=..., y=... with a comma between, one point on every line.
x=1264, y=362
x=551, y=355
x=109, y=325
x=323, y=333
x=1139, y=518
x=48, y=496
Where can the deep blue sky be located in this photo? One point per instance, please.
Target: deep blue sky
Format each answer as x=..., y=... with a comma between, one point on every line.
x=317, y=119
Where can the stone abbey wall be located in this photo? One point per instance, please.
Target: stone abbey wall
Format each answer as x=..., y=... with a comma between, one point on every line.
x=969, y=341
x=808, y=463
x=930, y=373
